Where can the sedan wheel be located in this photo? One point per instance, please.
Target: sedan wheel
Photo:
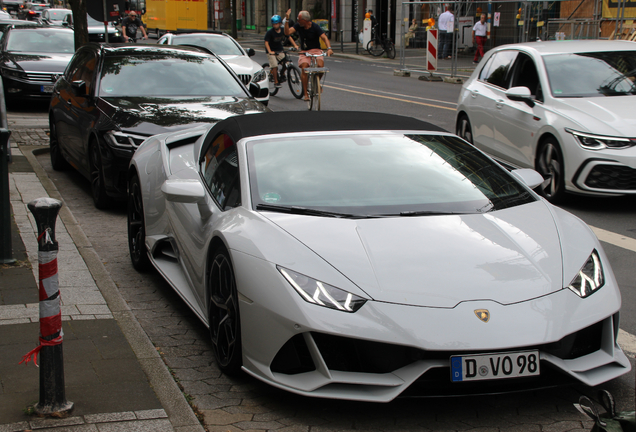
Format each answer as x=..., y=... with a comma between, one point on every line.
x=58, y=161
x=550, y=166
x=225, y=328
x=100, y=199
x=464, y=130
x=136, y=227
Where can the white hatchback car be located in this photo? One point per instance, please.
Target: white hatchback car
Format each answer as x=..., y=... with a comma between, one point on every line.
x=565, y=108
x=224, y=46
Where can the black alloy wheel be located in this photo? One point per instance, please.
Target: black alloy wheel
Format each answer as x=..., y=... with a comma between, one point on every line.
x=294, y=81
x=550, y=166
x=58, y=161
x=137, y=227
x=100, y=198
x=223, y=318
x=464, y=129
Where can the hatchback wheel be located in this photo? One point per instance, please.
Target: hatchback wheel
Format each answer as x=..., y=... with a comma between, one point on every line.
x=58, y=161
x=464, y=129
x=136, y=227
x=100, y=198
x=550, y=166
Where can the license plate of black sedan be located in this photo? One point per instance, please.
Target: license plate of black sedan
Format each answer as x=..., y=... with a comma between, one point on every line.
x=46, y=89
x=494, y=366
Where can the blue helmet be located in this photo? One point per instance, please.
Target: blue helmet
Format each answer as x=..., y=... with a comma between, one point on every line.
x=276, y=19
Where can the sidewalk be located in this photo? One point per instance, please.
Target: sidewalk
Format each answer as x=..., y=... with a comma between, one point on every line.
x=113, y=373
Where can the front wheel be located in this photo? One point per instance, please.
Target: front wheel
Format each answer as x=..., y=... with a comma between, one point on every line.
x=136, y=227
x=390, y=51
x=270, y=80
x=314, y=95
x=294, y=81
x=375, y=48
x=550, y=166
x=224, y=319
x=58, y=161
x=100, y=198
x=464, y=129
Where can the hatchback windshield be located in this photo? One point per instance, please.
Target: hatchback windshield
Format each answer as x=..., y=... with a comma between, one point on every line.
x=379, y=174
x=219, y=45
x=41, y=41
x=610, y=73
x=167, y=75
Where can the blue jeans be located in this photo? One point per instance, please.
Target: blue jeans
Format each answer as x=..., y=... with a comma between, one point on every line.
x=446, y=44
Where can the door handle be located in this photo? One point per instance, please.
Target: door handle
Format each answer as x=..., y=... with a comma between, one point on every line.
x=473, y=93
x=499, y=103
x=68, y=102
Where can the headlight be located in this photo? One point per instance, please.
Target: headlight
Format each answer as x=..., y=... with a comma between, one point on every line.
x=320, y=293
x=259, y=76
x=590, y=278
x=124, y=140
x=600, y=142
x=12, y=73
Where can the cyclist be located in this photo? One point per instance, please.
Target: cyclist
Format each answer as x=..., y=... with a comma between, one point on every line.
x=274, y=39
x=130, y=24
x=310, y=35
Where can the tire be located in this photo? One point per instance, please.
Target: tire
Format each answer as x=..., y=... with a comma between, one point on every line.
x=270, y=80
x=391, y=50
x=314, y=95
x=58, y=161
x=224, y=317
x=375, y=48
x=294, y=81
x=463, y=129
x=100, y=198
x=550, y=165
x=137, y=227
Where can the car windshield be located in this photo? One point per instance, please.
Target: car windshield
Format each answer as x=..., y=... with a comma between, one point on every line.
x=219, y=45
x=378, y=174
x=171, y=74
x=39, y=7
x=611, y=73
x=57, y=15
x=41, y=41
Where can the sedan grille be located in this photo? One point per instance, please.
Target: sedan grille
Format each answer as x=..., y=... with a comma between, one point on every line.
x=245, y=79
x=41, y=77
x=611, y=177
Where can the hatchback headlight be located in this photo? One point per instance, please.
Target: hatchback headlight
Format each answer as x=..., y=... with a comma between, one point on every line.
x=259, y=76
x=590, y=278
x=322, y=294
x=600, y=142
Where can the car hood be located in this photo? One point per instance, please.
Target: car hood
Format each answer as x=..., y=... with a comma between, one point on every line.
x=241, y=64
x=152, y=116
x=506, y=256
x=611, y=115
x=39, y=62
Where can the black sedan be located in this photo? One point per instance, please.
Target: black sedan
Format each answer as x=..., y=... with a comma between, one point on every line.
x=32, y=58
x=111, y=98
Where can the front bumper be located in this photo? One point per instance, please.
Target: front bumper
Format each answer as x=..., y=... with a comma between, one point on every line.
x=26, y=89
x=115, y=162
x=382, y=350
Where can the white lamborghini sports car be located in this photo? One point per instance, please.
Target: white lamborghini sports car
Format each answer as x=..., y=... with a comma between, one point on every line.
x=365, y=256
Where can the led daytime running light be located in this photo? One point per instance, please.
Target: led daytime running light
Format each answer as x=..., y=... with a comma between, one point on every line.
x=600, y=142
x=590, y=278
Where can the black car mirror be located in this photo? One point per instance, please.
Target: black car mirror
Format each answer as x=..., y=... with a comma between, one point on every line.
x=80, y=87
x=250, y=52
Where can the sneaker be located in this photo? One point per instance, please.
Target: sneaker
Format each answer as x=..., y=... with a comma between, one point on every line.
x=278, y=85
x=475, y=62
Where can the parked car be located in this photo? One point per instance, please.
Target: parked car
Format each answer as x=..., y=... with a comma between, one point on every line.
x=112, y=97
x=353, y=255
x=564, y=108
x=229, y=50
x=13, y=7
x=5, y=24
x=96, y=29
x=5, y=15
x=33, y=11
x=32, y=58
x=55, y=17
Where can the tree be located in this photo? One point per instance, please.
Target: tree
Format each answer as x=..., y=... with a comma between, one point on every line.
x=80, y=24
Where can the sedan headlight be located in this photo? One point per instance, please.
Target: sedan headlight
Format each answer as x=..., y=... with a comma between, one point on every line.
x=124, y=140
x=600, y=142
x=590, y=278
x=12, y=73
x=322, y=294
x=259, y=76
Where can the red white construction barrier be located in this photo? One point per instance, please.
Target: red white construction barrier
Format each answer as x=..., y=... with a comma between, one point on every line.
x=431, y=50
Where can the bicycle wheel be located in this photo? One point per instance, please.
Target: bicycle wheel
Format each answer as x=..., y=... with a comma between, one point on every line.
x=294, y=81
x=314, y=95
x=270, y=79
x=375, y=48
x=390, y=51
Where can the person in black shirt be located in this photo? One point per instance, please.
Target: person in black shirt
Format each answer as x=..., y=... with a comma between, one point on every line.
x=130, y=24
x=274, y=39
x=310, y=35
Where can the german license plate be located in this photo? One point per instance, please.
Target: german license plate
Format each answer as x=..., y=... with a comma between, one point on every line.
x=494, y=366
x=46, y=89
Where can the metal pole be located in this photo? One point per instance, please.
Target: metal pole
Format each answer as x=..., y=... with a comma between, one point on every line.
x=6, y=250
x=341, y=40
x=52, y=391
x=105, y=22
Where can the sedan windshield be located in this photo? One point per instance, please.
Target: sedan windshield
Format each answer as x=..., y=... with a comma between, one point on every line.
x=57, y=15
x=378, y=174
x=611, y=73
x=219, y=45
x=167, y=75
x=41, y=41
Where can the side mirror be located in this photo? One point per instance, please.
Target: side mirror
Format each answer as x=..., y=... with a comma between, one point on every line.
x=79, y=87
x=527, y=176
x=258, y=92
x=187, y=191
x=520, y=94
x=250, y=52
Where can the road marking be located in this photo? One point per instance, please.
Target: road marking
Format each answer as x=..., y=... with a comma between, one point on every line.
x=454, y=104
x=627, y=342
x=615, y=239
x=390, y=97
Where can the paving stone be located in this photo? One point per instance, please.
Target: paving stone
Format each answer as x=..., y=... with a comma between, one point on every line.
x=160, y=425
x=52, y=422
x=14, y=427
x=151, y=414
x=246, y=425
x=210, y=402
x=222, y=417
x=109, y=417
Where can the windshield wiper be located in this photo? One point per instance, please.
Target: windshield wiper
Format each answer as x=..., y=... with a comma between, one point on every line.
x=307, y=211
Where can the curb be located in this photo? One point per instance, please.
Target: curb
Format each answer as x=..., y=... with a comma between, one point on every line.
x=179, y=412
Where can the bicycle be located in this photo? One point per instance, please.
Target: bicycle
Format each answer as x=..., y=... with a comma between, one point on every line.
x=379, y=45
x=286, y=72
x=315, y=81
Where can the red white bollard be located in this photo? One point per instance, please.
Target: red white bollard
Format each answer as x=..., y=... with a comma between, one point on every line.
x=52, y=390
x=431, y=50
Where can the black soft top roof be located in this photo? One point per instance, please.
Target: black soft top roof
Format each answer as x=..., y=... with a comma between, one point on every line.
x=270, y=123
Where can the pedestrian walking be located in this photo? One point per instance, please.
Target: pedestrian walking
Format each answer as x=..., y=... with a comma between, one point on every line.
x=446, y=25
x=479, y=37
